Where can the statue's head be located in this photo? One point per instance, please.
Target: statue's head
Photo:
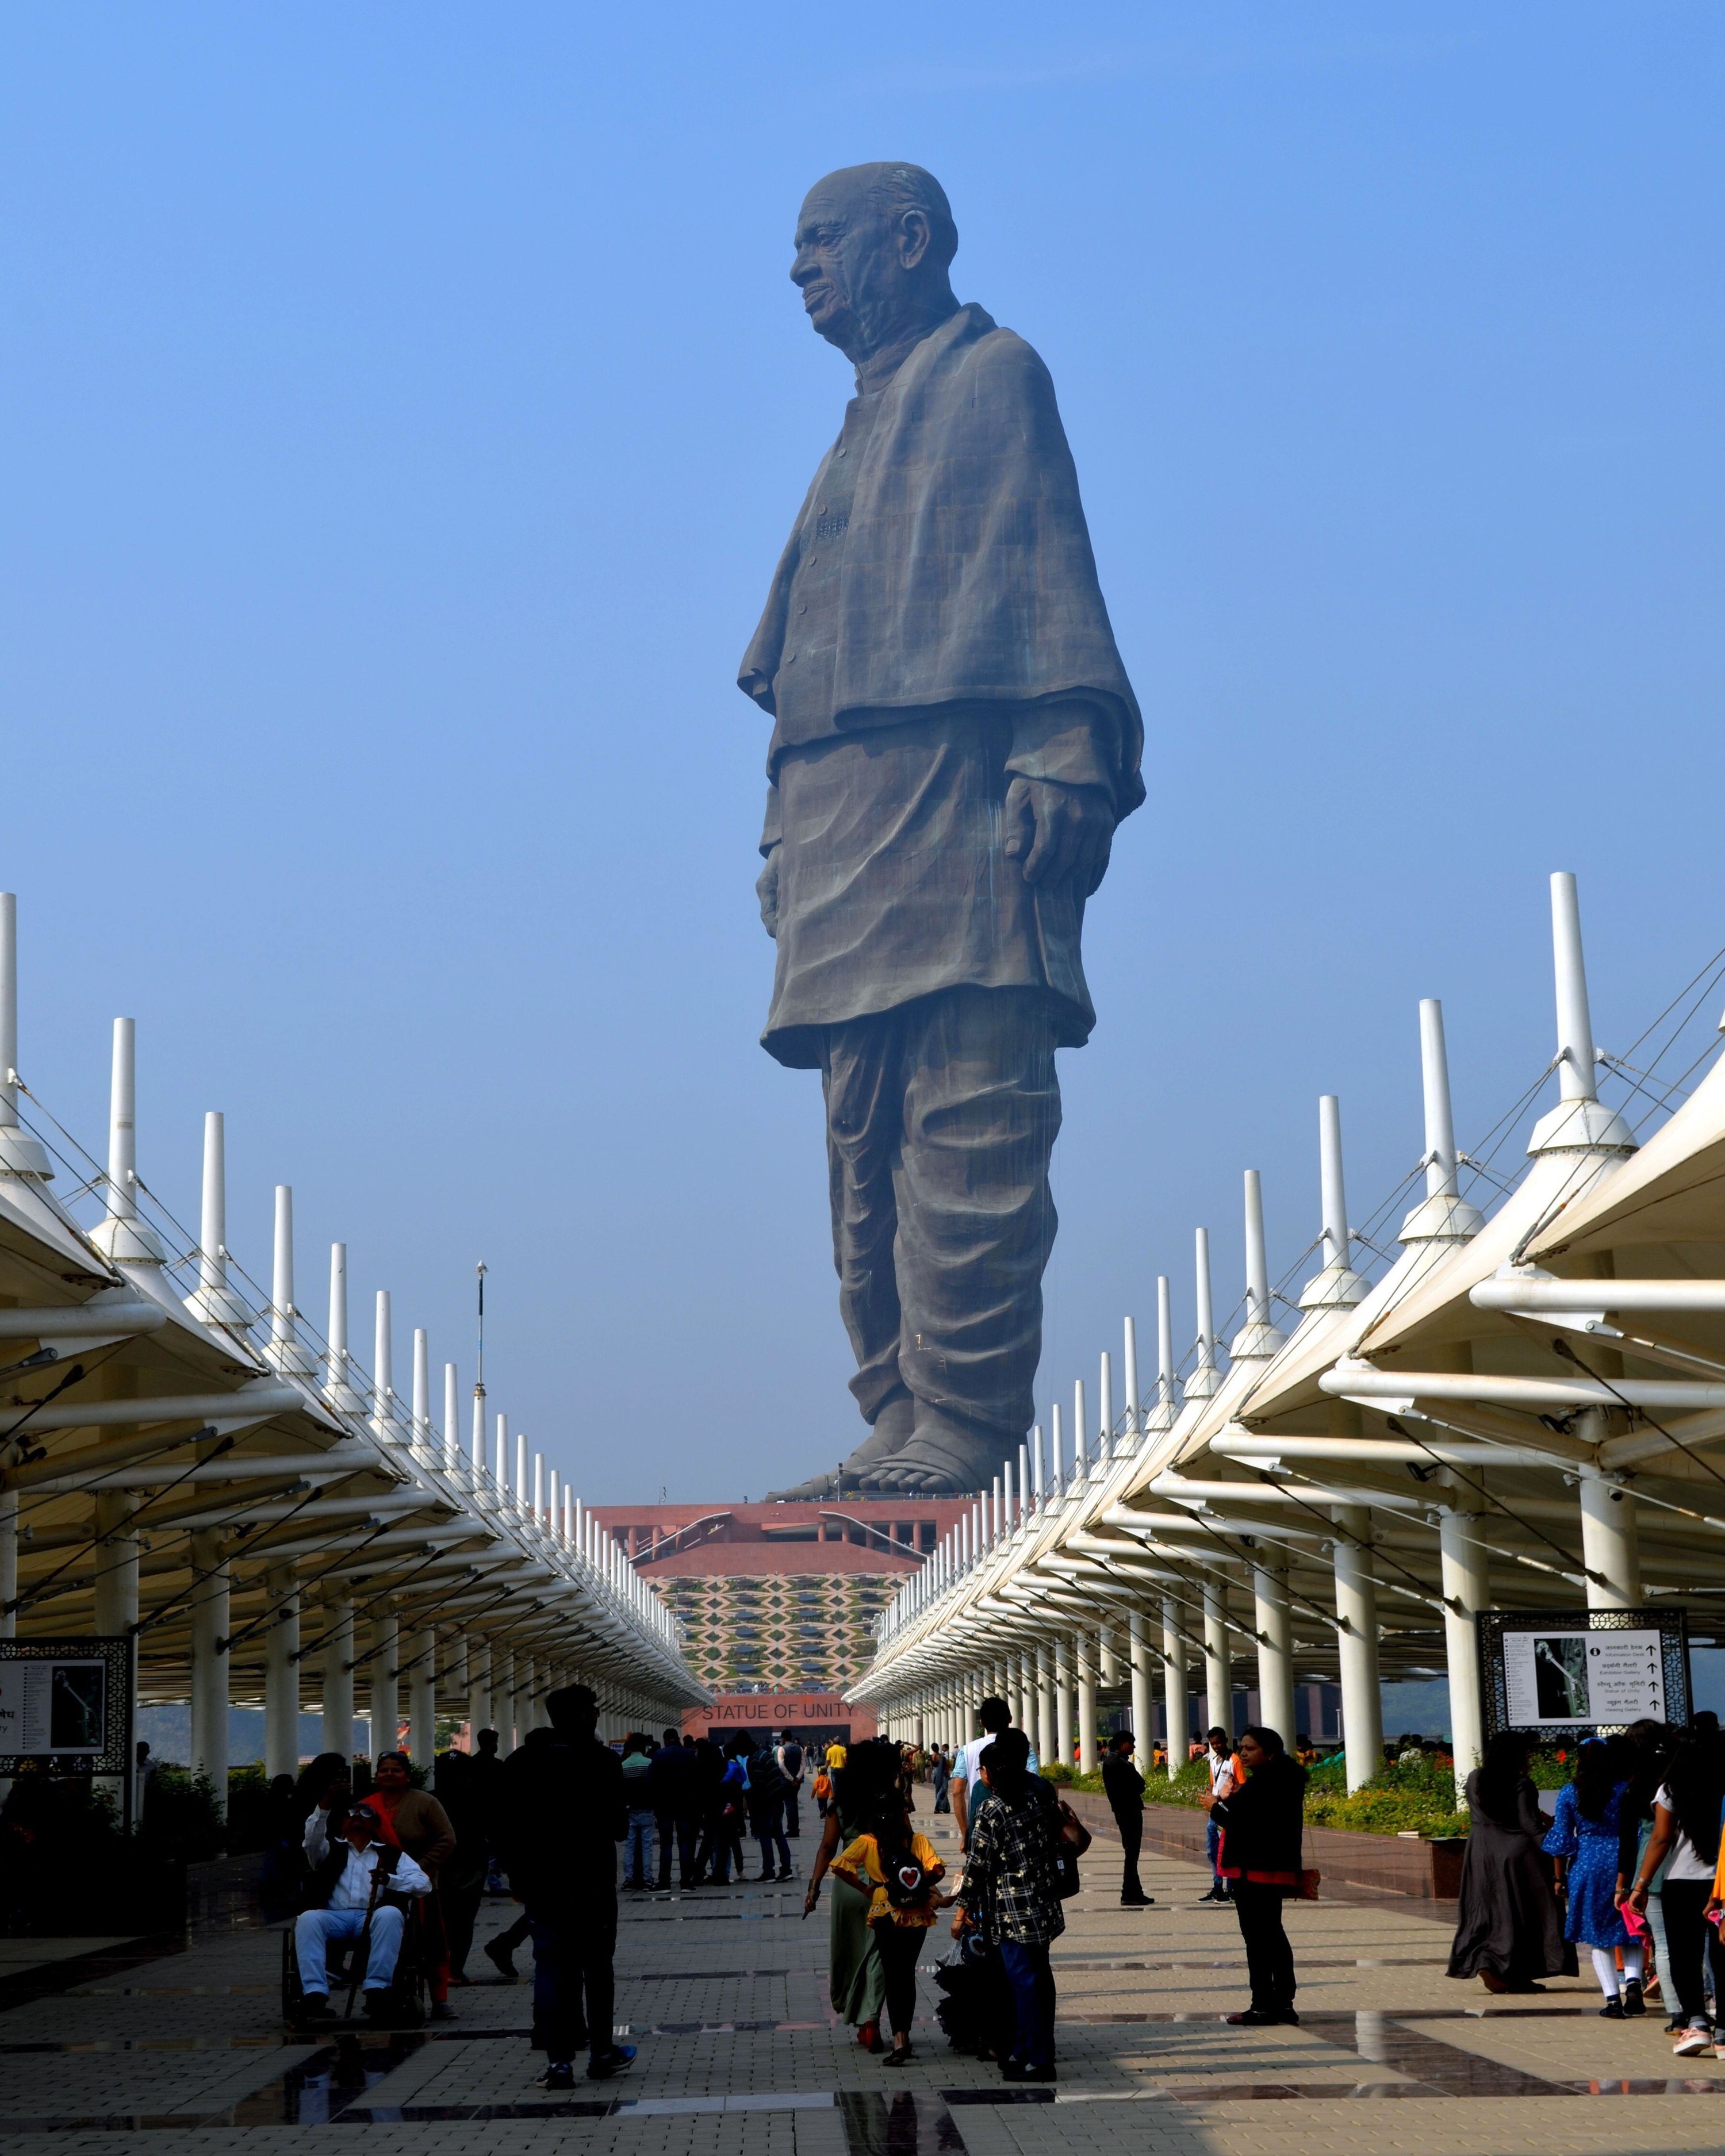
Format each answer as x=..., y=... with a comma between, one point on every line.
x=874, y=242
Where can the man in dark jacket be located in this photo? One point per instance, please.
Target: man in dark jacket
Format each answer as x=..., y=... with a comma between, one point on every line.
x=1261, y=1827
x=560, y=1817
x=1124, y=1787
x=671, y=1784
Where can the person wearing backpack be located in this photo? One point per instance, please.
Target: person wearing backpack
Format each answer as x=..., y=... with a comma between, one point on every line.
x=767, y=1789
x=1013, y=1887
x=899, y=1870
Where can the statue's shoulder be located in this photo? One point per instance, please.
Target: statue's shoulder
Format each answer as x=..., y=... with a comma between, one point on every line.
x=999, y=361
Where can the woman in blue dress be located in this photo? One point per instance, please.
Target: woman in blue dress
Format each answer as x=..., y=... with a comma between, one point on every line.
x=1585, y=1841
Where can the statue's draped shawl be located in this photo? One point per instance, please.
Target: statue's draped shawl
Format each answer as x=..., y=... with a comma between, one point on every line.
x=968, y=574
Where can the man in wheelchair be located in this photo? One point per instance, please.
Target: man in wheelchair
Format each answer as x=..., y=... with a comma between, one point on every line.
x=360, y=1889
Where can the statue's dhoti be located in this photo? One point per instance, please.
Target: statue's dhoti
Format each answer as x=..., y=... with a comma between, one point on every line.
x=941, y=1117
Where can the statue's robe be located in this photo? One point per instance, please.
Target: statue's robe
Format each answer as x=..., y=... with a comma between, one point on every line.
x=934, y=628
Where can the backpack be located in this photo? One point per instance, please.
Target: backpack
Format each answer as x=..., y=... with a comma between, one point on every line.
x=905, y=1880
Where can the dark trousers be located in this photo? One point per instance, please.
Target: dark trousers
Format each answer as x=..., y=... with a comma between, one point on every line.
x=1213, y=1846
x=793, y=1823
x=460, y=1908
x=769, y=1830
x=1132, y=1840
x=899, y=1946
x=941, y=1117
x=1032, y=1998
x=574, y=1991
x=1270, y=1959
x=720, y=1841
x=687, y=1834
x=1691, y=1944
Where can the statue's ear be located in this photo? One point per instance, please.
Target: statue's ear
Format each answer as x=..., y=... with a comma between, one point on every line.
x=914, y=236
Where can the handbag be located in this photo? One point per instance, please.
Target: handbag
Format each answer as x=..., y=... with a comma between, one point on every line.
x=1309, y=1878
x=1070, y=1843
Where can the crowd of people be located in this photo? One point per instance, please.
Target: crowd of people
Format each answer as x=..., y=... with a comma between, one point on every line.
x=1629, y=1866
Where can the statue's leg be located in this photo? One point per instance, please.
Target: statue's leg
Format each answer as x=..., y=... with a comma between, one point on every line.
x=862, y=1085
x=976, y=1224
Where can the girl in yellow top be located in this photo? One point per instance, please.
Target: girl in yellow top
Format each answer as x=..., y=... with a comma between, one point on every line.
x=898, y=1870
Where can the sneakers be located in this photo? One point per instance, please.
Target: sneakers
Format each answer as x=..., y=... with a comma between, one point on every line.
x=1252, y=2019
x=1217, y=1893
x=1612, y=2010
x=1633, y=2002
x=315, y=2006
x=787, y=1873
x=502, y=1960
x=441, y=2010
x=618, y=2060
x=1137, y=1901
x=1693, y=2043
x=558, y=2074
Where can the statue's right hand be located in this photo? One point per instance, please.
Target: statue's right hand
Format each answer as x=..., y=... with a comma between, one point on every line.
x=767, y=890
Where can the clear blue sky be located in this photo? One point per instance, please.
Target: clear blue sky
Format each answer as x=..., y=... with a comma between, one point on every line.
x=403, y=406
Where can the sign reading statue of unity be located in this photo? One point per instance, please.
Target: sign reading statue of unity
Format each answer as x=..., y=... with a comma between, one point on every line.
x=954, y=740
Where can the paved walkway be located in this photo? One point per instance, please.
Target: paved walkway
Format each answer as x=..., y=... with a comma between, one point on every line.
x=723, y=1991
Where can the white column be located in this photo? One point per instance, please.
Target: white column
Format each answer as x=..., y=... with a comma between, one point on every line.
x=1610, y=1539
x=503, y=1699
x=338, y=1675
x=1276, y=1649
x=1062, y=1700
x=1143, y=1703
x=1467, y=1590
x=1217, y=1662
x=1173, y=1685
x=422, y=1390
x=209, y=1663
x=479, y=1690
x=386, y=1692
x=1048, y=1740
x=421, y=1697
x=452, y=1420
x=1086, y=1644
x=116, y=1563
x=1357, y=1645
x=281, y=1673
x=1024, y=1712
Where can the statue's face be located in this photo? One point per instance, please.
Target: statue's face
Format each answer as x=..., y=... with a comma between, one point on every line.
x=839, y=243
x=853, y=266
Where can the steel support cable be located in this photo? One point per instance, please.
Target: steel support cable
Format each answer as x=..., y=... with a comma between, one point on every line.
x=73, y=1377
x=94, y=1483
x=1479, y=1489
x=1561, y=1347
x=1339, y=1533
x=24, y=1601
x=394, y=1587
x=1293, y=1594
x=297, y=1586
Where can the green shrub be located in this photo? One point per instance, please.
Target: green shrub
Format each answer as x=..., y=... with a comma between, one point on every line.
x=1060, y=1775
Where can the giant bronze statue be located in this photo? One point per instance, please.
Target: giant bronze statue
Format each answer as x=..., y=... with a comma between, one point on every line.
x=954, y=741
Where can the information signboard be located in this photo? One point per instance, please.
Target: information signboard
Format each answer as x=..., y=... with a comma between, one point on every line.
x=66, y=1706
x=1555, y=1672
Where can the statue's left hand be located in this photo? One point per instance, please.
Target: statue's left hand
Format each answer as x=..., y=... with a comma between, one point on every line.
x=767, y=891
x=1059, y=831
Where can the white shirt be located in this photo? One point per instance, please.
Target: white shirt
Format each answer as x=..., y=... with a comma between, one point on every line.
x=354, y=1889
x=967, y=1761
x=1219, y=1767
x=1682, y=1862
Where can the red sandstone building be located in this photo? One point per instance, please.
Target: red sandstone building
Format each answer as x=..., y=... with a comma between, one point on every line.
x=777, y=1603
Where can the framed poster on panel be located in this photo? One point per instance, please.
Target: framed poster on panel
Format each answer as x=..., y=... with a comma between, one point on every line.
x=1553, y=1672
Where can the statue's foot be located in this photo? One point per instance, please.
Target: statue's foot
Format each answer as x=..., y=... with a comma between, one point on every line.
x=893, y=1427
x=947, y=1456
